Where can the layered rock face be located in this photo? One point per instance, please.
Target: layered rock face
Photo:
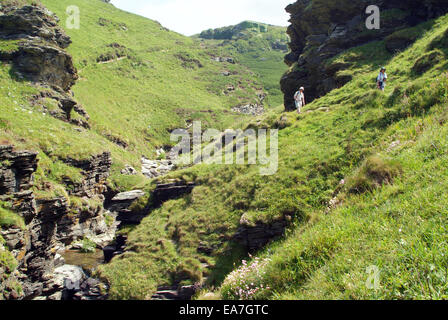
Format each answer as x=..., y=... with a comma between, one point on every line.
x=321, y=29
x=16, y=175
x=95, y=170
x=51, y=225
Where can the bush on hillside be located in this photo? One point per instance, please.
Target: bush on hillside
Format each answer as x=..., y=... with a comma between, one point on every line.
x=373, y=173
x=9, y=218
x=427, y=61
x=7, y=263
x=420, y=97
x=440, y=41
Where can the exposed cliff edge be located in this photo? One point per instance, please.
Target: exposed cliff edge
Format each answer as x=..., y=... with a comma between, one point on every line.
x=322, y=29
x=37, y=54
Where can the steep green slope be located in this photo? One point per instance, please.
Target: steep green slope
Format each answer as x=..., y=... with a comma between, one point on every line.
x=362, y=172
x=384, y=236
x=258, y=46
x=137, y=81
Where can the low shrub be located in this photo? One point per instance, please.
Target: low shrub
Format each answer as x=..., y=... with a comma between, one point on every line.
x=373, y=173
x=427, y=61
x=88, y=246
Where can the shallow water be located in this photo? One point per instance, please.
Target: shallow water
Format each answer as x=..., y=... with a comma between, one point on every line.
x=88, y=261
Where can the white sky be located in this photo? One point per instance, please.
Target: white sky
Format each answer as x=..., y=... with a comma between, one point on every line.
x=193, y=16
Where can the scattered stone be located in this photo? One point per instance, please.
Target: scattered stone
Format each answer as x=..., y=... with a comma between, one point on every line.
x=156, y=168
x=224, y=59
x=129, y=171
x=250, y=109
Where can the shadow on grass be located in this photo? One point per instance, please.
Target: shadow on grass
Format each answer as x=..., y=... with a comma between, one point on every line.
x=231, y=259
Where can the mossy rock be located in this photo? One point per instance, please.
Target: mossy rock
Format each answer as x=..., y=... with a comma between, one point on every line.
x=427, y=61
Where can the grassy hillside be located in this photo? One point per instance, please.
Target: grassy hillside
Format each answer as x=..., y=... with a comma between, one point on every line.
x=258, y=46
x=137, y=81
x=362, y=172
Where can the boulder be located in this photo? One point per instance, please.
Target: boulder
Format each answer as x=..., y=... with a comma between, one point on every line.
x=129, y=196
x=129, y=171
x=69, y=277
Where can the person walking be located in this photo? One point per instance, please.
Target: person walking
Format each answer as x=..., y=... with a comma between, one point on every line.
x=382, y=79
x=299, y=98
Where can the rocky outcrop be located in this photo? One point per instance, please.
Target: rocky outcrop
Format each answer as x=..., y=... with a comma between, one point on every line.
x=31, y=22
x=170, y=190
x=61, y=105
x=16, y=169
x=256, y=236
x=95, y=170
x=250, y=109
x=182, y=293
x=45, y=64
x=39, y=55
x=121, y=204
x=320, y=30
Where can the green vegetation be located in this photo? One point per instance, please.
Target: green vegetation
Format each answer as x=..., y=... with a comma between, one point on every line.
x=7, y=263
x=88, y=246
x=9, y=218
x=390, y=212
x=8, y=46
x=258, y=46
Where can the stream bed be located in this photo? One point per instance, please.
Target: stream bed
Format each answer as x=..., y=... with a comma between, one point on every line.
x=89, y=262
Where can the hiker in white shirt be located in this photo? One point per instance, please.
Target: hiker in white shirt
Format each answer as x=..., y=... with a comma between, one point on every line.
x=382, y=79
x=299, y=98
